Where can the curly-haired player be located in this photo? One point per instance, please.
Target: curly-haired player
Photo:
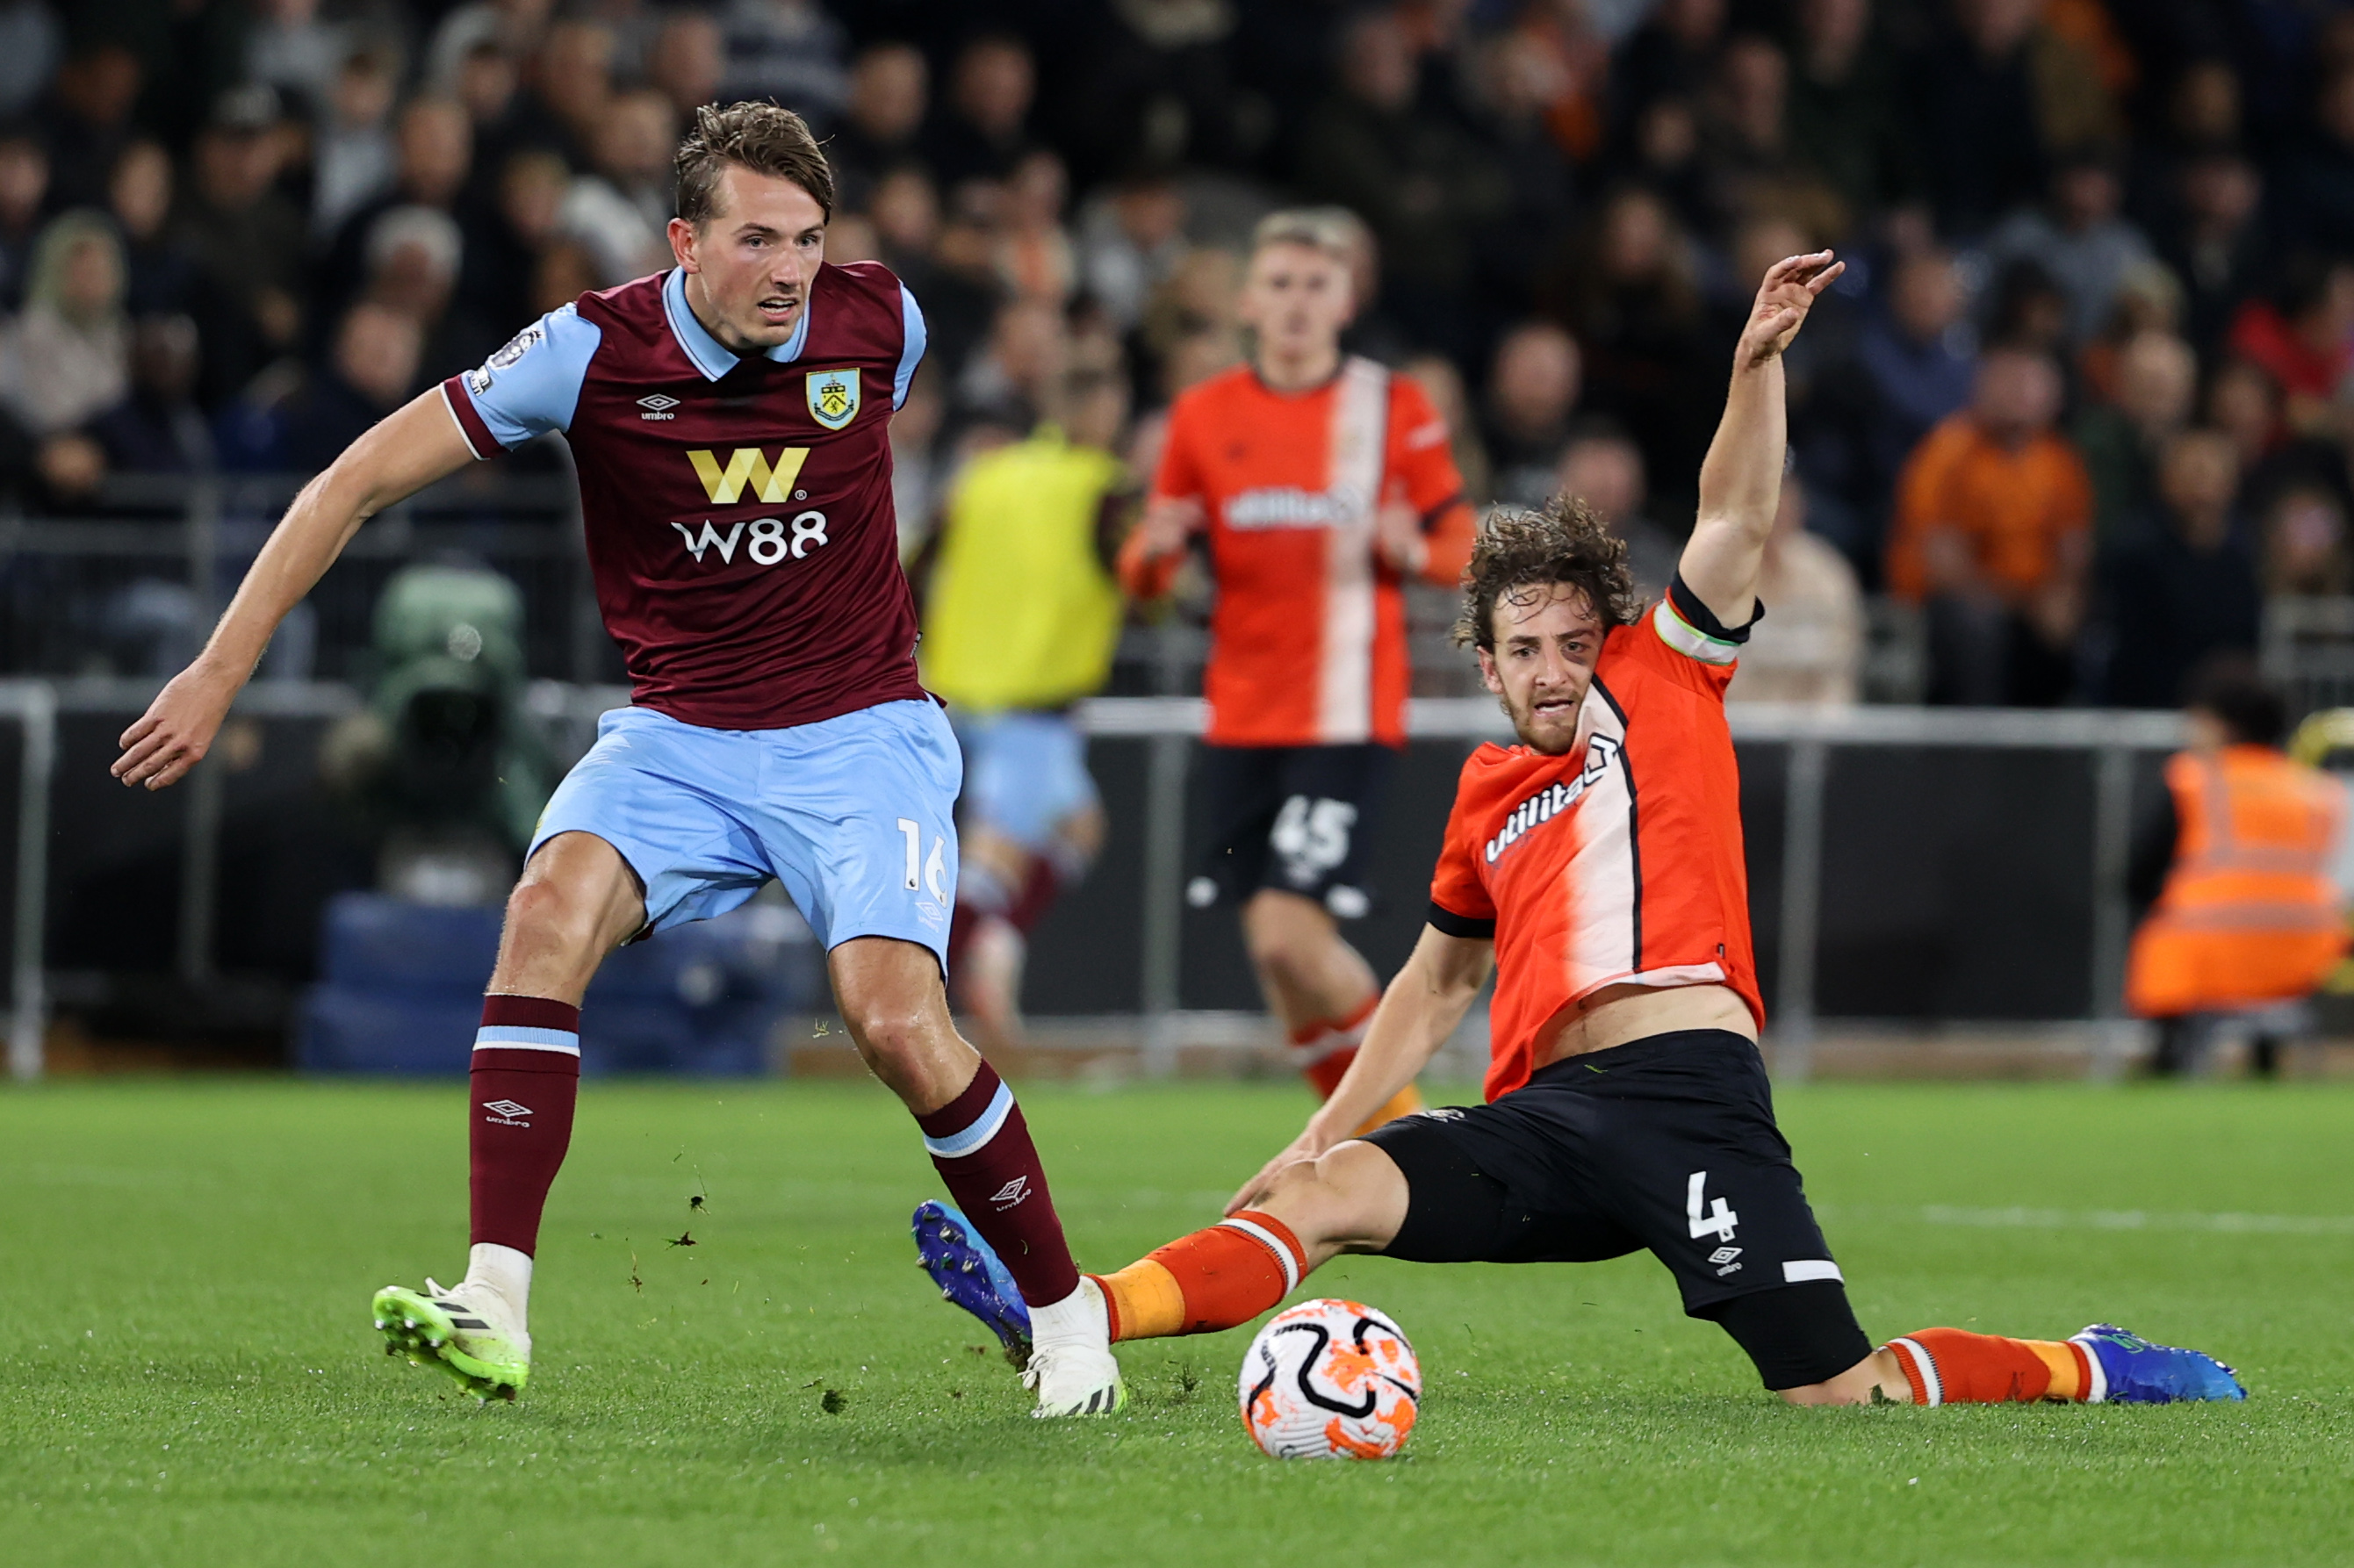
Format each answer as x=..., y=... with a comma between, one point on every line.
x=1597, y=867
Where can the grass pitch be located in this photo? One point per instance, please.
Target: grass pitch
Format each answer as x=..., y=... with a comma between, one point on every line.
x=189, y=1375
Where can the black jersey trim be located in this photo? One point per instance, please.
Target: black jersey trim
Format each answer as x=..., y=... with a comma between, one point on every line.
x=1634, y=820
x=1447, y=922
x=1703, y=619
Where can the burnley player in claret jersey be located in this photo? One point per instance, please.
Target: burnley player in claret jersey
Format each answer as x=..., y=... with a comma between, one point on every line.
x=730, y=421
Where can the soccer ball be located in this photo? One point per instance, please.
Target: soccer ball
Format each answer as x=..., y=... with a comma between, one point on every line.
x=1329, y=1380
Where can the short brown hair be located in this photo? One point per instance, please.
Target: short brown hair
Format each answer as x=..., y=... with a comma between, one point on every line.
x=1334, y=230
x=761, y=137
x=1567, y=542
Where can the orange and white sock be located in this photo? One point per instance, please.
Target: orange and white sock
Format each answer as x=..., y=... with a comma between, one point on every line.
x=1323, y=1050
x=1953, y=1366
x=1210, y=1280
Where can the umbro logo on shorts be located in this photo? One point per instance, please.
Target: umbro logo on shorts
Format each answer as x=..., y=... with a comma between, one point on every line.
x=506, y=1113
x=1011, y=1194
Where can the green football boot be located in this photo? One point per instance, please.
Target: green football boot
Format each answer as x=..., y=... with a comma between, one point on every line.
x=468, y=1331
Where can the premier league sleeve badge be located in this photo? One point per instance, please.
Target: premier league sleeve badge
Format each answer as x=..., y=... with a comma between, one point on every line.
x=834, y=397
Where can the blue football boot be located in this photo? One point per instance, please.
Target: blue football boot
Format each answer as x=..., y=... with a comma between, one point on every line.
x=969, y=1275
x=2129, y=1369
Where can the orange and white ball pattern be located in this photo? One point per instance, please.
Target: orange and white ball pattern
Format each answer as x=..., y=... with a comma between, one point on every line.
x=1329, y=1380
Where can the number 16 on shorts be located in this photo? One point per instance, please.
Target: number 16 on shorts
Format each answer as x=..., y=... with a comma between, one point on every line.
x=927, y=872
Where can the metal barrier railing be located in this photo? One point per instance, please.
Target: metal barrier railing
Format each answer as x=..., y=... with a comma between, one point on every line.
x=1170, y=727
x=34, y=708
x=1170, y=723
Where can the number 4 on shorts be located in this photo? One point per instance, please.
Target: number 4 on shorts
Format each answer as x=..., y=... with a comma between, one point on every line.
x=1717, y=1221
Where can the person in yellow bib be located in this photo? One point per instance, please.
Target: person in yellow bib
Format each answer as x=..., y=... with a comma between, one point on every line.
x=2242, y=869
x=1022, y=619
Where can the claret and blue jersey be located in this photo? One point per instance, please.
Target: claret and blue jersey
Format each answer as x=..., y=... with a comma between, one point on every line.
x=741, y=529
x=738, y=510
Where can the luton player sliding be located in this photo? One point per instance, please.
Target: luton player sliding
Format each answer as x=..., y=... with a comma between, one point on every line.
x=1319, y=482
x=730, y=419
x=1597, y=866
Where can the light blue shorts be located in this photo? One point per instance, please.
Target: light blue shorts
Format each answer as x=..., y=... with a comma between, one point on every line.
x=854, y=815
x=1024, y=772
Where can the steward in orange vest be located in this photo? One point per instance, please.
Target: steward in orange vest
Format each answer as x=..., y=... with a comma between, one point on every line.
x=2249, y=912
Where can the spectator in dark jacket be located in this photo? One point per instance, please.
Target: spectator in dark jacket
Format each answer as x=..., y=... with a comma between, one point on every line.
x=984, y=128
x=371, y=372
x=1909, y=369
x=2219, y=245
x=1977, y=120
x=246, y=242
x=158, y=429
x=1846, y=116
x=2318, y=205
x=2188, y=588
x=883, y=123
x=434, y=143
x=23, y=190
x=1423, y=187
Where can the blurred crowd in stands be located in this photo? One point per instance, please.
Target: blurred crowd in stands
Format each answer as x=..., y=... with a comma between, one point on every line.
x=2080, y=406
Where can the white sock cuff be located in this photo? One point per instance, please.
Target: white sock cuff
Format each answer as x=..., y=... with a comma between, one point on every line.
x=1079, y=1318
x=1284, y=1256
x=1924, y=1367
x=504, y=1270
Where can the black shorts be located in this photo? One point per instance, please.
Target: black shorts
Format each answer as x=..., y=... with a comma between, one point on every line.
x=1666, y=1143
x=1296, y=818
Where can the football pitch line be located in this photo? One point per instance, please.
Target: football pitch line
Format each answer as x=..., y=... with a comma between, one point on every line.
x=2020, y=1217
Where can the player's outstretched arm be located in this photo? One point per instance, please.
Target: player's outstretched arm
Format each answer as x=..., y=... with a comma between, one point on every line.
x=1740, y=482
x=1423, y=1003
x=406, y=451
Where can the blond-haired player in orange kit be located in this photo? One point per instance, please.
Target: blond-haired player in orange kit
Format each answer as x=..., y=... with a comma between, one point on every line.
x=1597, y=866
x=1320, y=482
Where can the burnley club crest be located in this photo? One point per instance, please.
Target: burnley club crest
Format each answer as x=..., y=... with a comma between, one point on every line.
x=834, y=397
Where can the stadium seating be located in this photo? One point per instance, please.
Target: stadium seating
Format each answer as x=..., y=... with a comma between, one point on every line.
x=401, y=985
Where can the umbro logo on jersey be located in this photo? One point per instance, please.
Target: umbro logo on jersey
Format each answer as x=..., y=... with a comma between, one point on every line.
x=506, y=1113
x=747, y=473
x=1012, y=1194
x=658, y=407
x=1551, y=802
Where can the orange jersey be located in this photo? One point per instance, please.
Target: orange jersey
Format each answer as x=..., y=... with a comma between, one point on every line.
x=1308, y=640
x=1618, y=862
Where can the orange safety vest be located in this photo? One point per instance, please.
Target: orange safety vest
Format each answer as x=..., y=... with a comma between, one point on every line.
x=2250, y=914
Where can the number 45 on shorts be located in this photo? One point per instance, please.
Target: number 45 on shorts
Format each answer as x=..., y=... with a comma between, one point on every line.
x=928, y=873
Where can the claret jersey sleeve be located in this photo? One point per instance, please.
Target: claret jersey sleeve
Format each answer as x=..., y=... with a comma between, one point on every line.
x=530, y=387
x=1460, y=904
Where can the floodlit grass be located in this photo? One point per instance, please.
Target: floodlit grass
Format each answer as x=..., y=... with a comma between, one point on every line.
x=189, y=1375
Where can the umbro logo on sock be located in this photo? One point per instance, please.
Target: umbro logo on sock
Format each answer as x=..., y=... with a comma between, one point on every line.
x=506, y=1113
x=1012, y=1194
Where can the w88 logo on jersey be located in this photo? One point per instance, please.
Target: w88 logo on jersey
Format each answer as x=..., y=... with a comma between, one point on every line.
x=765, y=541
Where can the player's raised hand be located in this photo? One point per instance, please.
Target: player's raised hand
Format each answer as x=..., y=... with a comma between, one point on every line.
x=1783, y=299
x=176, y=730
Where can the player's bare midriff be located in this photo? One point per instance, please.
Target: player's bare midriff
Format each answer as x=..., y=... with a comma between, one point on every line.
x=1619, y=1013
